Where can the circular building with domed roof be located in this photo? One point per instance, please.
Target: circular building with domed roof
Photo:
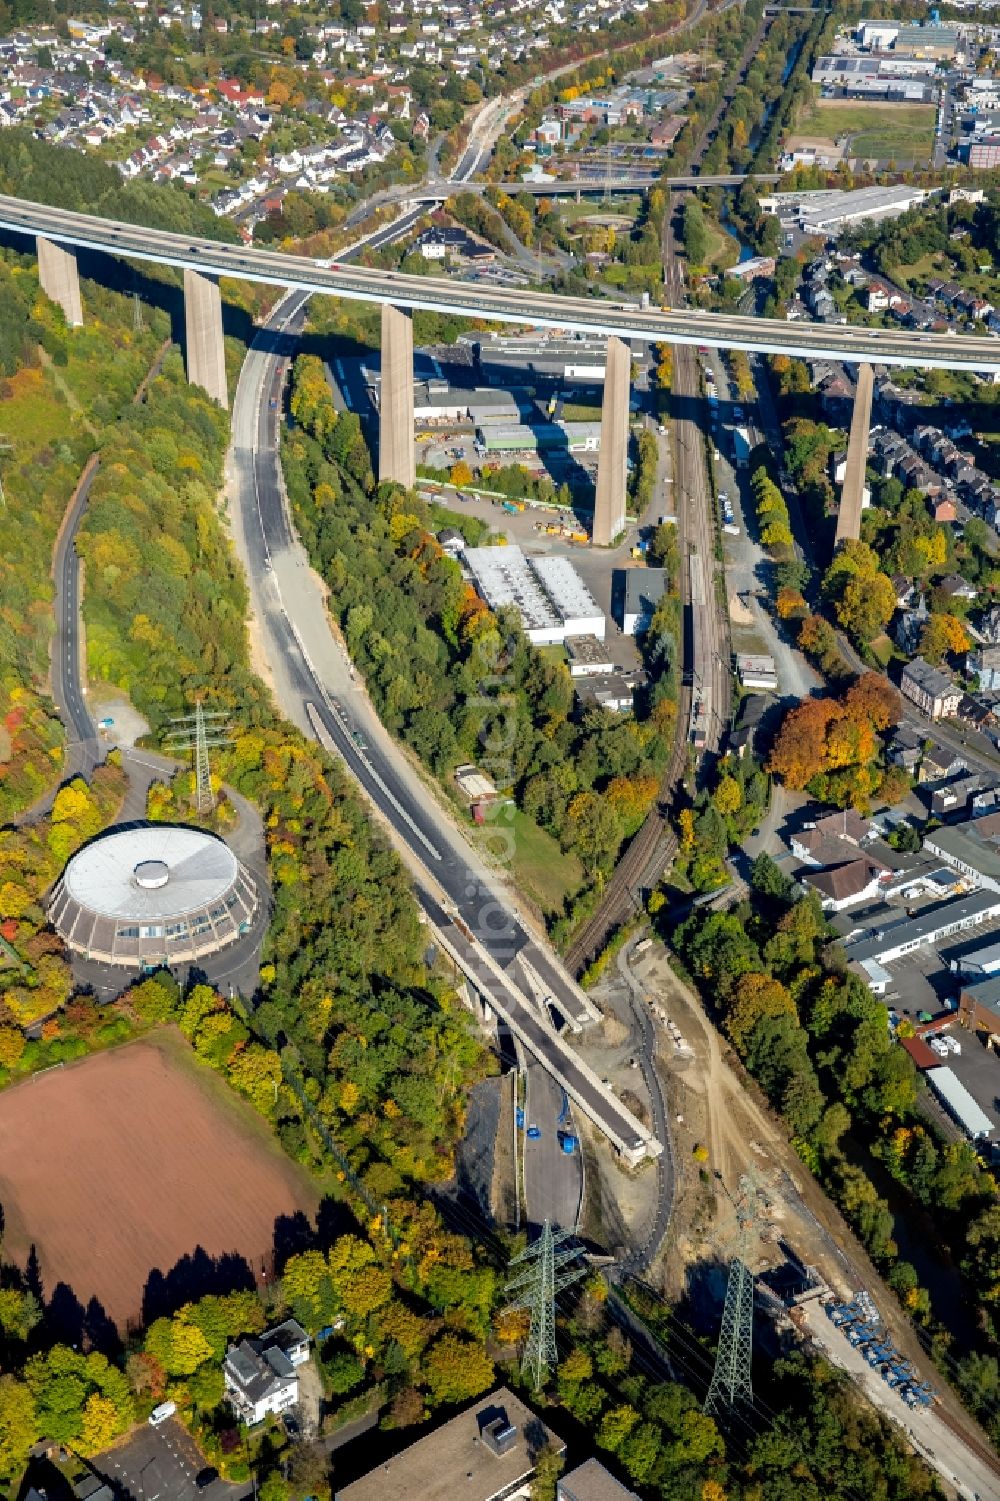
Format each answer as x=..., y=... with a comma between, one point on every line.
x=152, y=895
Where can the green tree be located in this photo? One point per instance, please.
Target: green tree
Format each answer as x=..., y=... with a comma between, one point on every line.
x=456, y=1369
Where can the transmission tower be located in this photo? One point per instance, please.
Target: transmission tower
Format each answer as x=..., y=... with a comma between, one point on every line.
x=198, y=732
x=546, y=1270
x=731, y=1379
x=137, y=323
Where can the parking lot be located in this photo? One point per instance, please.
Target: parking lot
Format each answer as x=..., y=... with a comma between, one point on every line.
x=923, y=981
x=162, y=1464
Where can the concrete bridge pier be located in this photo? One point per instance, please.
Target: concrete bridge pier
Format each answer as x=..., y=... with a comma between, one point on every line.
x=58, y=278
x=612, y=472
x=396, y=457
x=203, y=343
x=852, y=492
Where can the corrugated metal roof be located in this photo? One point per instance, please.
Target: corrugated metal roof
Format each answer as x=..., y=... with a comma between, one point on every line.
x=959, y=1101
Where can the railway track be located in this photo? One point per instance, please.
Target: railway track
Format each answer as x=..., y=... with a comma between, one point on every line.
x=656, y=843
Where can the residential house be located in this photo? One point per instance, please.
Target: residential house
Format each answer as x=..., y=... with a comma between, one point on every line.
x=910, y=627
x=939, y=763
x=904, y=749
x=984, y=661
x=260, y=1373
x=904, y=588
x=930, y=689
x=842, y=886
x=953, y=586
x=592, y=1482
x=953, y=797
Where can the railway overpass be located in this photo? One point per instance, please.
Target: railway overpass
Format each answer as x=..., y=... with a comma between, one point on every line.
x=58, y=231
x=597, y=183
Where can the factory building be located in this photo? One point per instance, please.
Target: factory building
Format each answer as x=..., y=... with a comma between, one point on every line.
x=919, y=41
x=863, y=204
x=569, y=437
x=979, y=1005
x=971, y=848
x=907, y=934
x=549, y=595
x=637, y=592
x=487, y=1452
x=828, y=209
x=959, y=1103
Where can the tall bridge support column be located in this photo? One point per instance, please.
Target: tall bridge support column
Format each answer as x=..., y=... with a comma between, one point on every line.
x=396, y=459
x=203, y=343
x=852, y=492
x=612, y=470
x=58, y=278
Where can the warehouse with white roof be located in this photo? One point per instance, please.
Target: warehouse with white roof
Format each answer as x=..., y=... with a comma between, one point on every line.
x=549, y=595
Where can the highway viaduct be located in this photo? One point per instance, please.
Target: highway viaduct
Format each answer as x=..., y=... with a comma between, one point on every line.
x=57, y=232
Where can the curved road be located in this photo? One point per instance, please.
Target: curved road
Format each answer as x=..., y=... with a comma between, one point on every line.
x=315, y=684
x=666, y=1175
x=83, y=751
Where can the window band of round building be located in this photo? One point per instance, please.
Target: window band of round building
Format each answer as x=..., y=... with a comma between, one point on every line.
x=153, y=895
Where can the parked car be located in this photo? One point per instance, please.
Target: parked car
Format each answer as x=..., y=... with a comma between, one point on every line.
x=162, y=1413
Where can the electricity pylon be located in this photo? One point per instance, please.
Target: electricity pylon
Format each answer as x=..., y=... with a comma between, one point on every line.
x=731, y=1379
x=198, y=732
x=546, y=1271
x=137, y=323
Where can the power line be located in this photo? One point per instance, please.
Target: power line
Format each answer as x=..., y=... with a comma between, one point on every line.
x=199, y=732
x=547, y=1270
x=732, y=1379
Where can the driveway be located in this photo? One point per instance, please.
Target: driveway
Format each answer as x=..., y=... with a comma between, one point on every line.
x=161, y=1464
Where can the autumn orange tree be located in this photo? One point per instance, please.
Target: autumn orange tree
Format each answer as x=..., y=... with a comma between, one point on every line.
x=824, y=736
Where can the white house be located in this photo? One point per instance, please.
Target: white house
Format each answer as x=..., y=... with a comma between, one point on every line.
x=260, y=1374
x=930, y=689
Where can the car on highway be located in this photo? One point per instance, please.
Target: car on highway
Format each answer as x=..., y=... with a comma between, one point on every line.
x=359, y=740
x=533, y=1133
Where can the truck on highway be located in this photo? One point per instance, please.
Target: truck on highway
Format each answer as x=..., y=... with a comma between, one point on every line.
x=741, y=447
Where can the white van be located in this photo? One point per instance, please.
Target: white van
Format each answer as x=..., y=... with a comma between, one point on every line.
x=162, y=1413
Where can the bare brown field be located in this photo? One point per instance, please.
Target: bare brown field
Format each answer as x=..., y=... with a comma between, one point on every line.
x=128, y=1161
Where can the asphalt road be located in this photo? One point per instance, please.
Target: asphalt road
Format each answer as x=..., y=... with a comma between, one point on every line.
x=666, y=1176
x=471, y=299
x=83, y=752
x=553, y=1179
x=316, y=686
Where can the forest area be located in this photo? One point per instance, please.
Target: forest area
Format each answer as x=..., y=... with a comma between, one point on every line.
x=359, y=1057
x=57, y=392
x=429, y=647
